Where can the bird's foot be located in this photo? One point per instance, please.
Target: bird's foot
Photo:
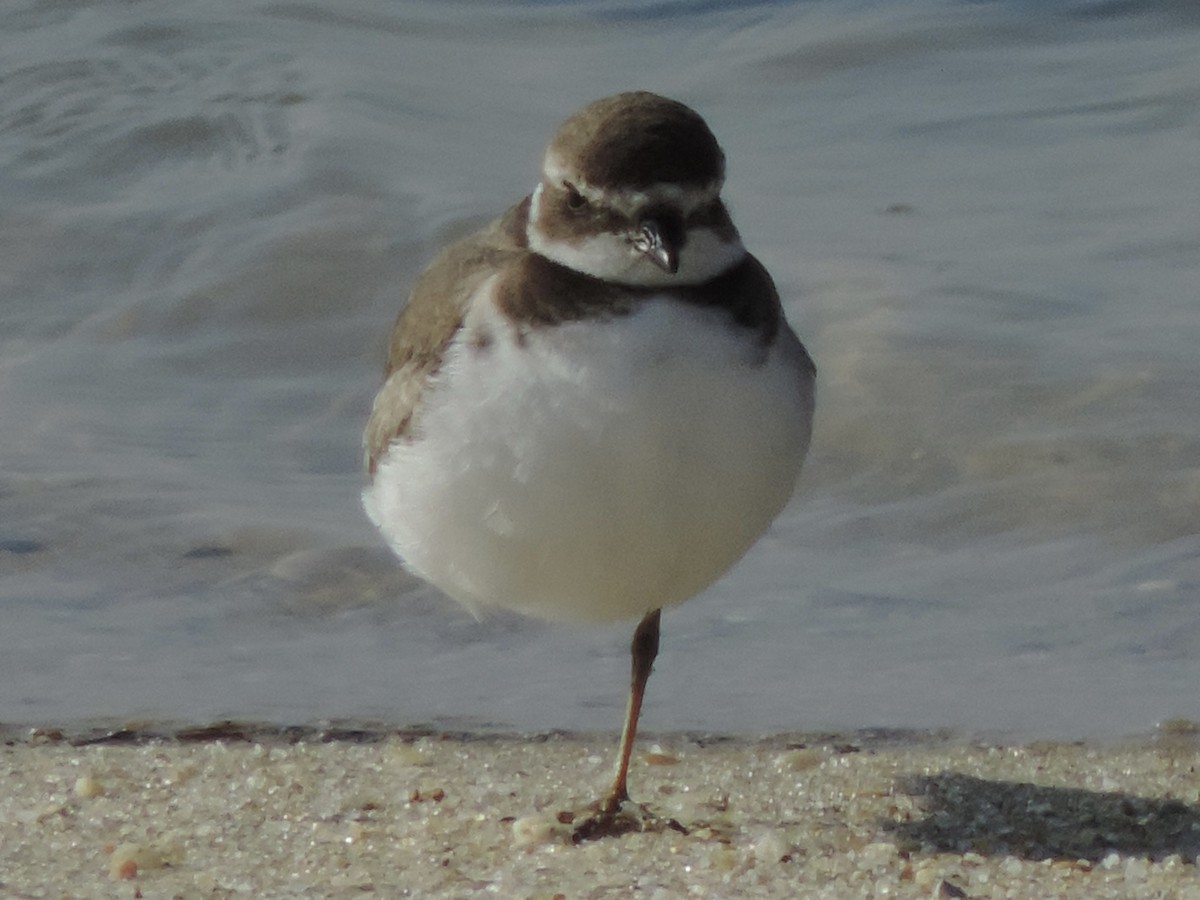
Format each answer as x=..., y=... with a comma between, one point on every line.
x=625, y=817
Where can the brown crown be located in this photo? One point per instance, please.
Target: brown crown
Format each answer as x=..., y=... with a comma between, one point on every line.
x=638, y=139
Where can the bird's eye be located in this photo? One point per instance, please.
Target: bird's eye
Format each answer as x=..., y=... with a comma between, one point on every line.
x=575, y=200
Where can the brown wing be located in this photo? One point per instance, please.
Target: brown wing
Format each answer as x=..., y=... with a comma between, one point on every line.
x=429, y=321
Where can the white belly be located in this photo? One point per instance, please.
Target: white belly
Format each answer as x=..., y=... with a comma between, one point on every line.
x=598, y=469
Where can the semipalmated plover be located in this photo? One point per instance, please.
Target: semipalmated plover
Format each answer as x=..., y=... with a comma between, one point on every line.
x=593, y=406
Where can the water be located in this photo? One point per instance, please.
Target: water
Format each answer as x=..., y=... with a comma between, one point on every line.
x=985, y=219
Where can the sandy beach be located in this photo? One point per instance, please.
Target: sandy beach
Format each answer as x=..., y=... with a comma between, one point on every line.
x=234, y=810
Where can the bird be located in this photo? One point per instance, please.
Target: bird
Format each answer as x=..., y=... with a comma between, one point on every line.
x=593, y=406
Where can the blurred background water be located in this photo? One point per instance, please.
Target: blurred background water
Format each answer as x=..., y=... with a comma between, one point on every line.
x=985, y=220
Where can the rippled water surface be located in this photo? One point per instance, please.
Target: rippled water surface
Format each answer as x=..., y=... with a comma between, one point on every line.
x=985, y=220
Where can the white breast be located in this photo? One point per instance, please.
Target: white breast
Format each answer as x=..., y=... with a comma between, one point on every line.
x=597, y=469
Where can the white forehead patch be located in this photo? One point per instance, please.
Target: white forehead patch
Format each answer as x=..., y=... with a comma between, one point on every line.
x=686, y=199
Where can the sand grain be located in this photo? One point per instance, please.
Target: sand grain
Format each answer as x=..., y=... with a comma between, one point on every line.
x=233, y=811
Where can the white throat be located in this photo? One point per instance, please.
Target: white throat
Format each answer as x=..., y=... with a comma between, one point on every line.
x=611, y=256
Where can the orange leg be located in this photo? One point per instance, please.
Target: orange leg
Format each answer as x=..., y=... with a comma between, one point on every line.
x=643, y=650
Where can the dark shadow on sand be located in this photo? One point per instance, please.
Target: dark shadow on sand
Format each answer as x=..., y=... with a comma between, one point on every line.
x=966, y=814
